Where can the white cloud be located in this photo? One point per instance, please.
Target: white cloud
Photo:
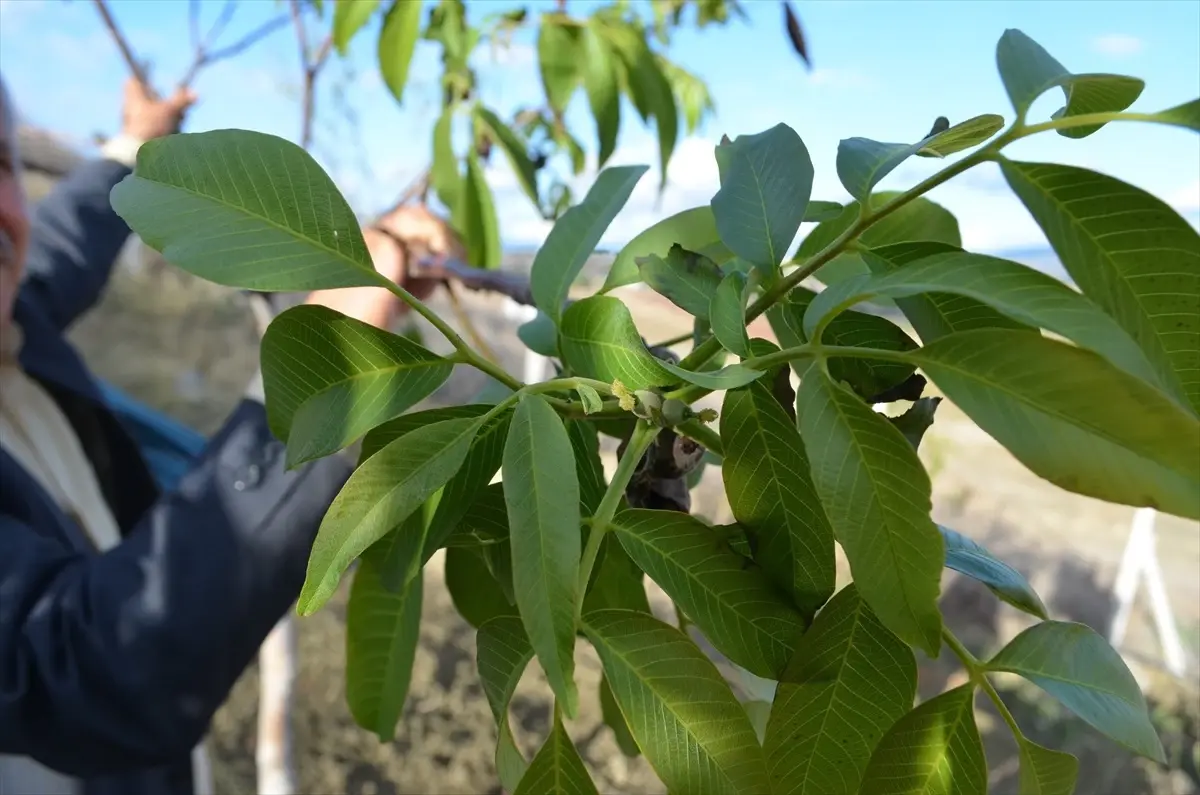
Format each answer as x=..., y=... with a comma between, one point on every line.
x=1118, y=44
x=840, y=78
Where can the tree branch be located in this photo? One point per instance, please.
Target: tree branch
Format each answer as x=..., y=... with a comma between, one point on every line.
x=311, y=64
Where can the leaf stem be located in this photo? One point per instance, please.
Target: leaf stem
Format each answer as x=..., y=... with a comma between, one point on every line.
x=979, y=676
x=866, y=219
x=678, y=338
x=1084, y=120
x=465, y=351
x=699, y=432
x=643, y=434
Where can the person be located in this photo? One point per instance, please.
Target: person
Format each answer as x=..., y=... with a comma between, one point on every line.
x=127, y=615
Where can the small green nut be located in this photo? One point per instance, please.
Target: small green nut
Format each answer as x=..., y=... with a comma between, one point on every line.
x=675, y=411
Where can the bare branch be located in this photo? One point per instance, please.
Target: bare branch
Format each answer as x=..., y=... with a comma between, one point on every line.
x=311, y=63
x=135, y=67
x=205, y=58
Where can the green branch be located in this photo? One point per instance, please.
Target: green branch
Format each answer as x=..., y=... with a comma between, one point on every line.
x=643, y=434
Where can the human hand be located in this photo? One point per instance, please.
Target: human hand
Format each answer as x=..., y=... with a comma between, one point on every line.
x=144, y=118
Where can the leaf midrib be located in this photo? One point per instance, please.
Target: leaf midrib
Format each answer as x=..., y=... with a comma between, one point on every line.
x=289, y=231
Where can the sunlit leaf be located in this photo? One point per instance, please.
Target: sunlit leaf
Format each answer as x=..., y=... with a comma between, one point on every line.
x=603, y=91
x=687, y=279
x=1130, y=253
x=1028, y=71
x=349, y=16
x=575, y=236
x=477, y=214
x=933, y=750
x=848, y=682
x=1072, y=417
x=732, y=604
x=770, y=491
x=680, y=711
x=502, y=654
x=382, y=631
x=961, y=136
x=557, y=768
x=726, y=313
x=397, y=42
x=590, y=399
x=1078, y=667
x=766, y=180
x=244, y=209
x=876, y=494
x=967, y=557
x=329, y=379
x=1185, y=115
x=1046, y=772
x=381, y=494
x=541, y=490
x=558, y=44
x=599, y=340
x=693, y=230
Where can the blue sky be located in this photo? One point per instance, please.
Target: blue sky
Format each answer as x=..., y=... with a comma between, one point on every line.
x=884, y=69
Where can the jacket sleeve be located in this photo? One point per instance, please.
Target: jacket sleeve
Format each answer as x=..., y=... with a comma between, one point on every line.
x=118, y=661
x=75, y=237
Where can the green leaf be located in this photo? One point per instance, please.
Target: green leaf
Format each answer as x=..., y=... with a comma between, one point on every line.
x=444, y=174
x=683, y=716
x=766, y=181
x=1130, y=253
x=541, y=490
x=934, y=315
x=664, y=108
x=617, y=582
x=575, y=235
x=540, y=335
x=397, y=42
x=1072, y=417
x=862, y=163
x=729, y=377
x=390, y=431
x=349, y=16
x=693, y=230
x=381, y=494
x=484, y=522
x=686, y=279
x=599, y=340
x=603, y=91
x=1046, y=772
x=1028, y=71
x=868, y=377
x=382, y=631
x=514, y=149
x=557, y=768
x=848, y=682
x=1025, y=295
x=1185, y=115
x=818, y=211
x=916, y=420
x=969, y=558
x=690, y=91
x=771, y=492
x=558, y=58
x=476, y=594
x=1078, y=667
x=726, y=312
x=590, y=399
x=876, y=494
x=329, y=379
x=933, y=750
x=478, y=217
x=502, y=652
x=614, y=720
x=585, y=447
x=731, y=603
x=918, y=220
x=961, y=136
x=225, y=206
x=759, y=713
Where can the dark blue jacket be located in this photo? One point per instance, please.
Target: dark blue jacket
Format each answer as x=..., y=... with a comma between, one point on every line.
x=111, y=666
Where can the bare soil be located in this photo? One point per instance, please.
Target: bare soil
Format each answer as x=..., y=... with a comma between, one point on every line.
x=188, y=348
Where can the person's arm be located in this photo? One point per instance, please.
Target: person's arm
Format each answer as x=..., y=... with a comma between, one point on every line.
x=75, y=237
x=114, y=662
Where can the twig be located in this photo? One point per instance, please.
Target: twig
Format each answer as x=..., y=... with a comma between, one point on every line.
x=123, y=45
x=206, y=57
x=465, y=321
x=312, y=66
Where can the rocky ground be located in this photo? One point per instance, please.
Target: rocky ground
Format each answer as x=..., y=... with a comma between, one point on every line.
x=188, y=348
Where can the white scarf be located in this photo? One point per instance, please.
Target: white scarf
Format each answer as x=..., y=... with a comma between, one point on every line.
x=39, y=436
